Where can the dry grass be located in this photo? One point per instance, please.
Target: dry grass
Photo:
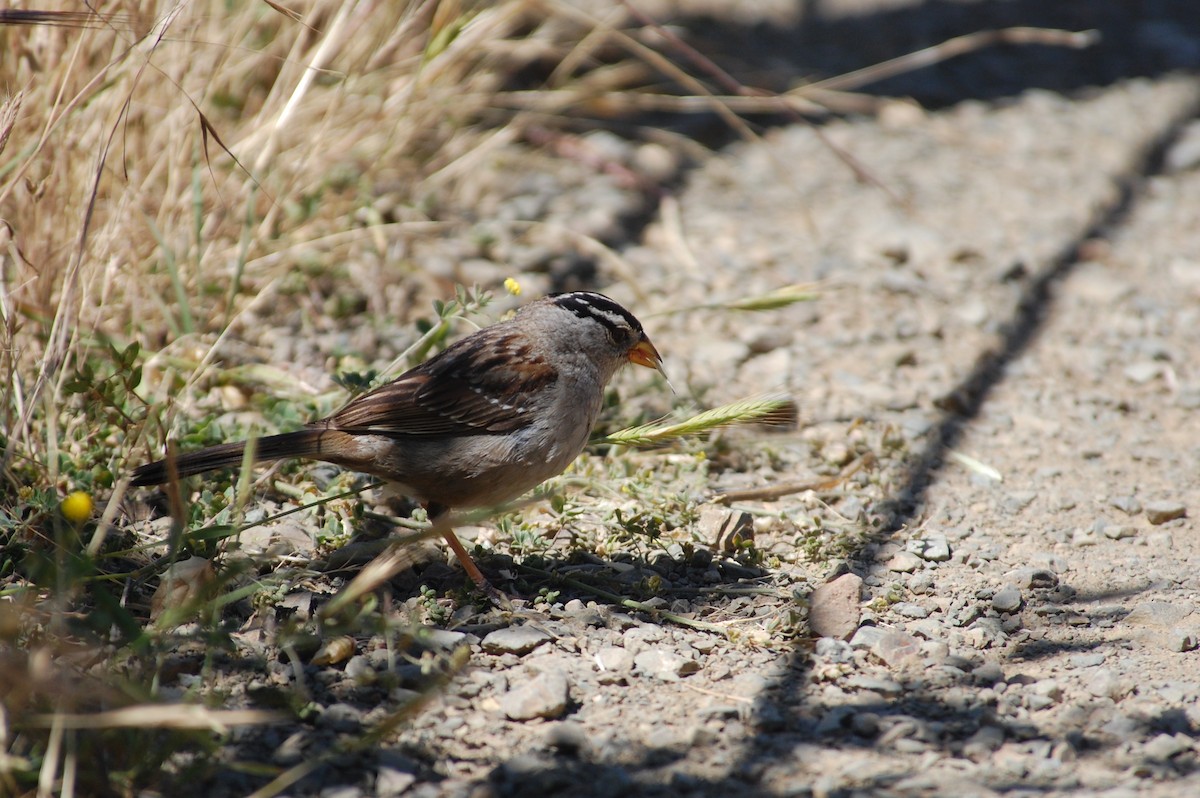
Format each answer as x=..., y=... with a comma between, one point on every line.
x=168, y=173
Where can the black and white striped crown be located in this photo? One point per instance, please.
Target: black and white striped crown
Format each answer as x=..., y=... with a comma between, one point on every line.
x=591, y=305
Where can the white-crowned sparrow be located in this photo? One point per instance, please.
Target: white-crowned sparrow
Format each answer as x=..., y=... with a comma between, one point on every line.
x=494, y=415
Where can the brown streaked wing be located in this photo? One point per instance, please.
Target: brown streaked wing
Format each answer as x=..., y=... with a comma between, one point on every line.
x=489, y=384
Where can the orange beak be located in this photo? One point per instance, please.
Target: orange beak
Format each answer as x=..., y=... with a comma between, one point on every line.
x=644, y=354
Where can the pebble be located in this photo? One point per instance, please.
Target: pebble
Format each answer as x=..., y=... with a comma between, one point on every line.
x=1126, y=504
x=1182, y=640
x=545, y=696
x=359, y=668
x=1143, y=371
x=341, y=718
x=1028, y=578
x=1165, y=746
x=567, y=737
x=1118, y=531
x=1086, y=660
x=517, y=640
x=908, y=609
x=891, y=646
x=904, y=562
x=889, y=687
x=835, y=607
x=666, y=665
x=989, y=673
x=1157, y=614
x=1161, y=512
x=1007, y=599
x=614, y=659
x=1104, y=683
x=391, y=781
x=934, y=548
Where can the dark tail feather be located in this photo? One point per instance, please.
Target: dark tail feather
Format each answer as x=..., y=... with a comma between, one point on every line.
x=302, y=443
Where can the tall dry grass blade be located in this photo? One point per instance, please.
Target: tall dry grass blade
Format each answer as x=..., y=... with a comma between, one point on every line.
x=741, y=412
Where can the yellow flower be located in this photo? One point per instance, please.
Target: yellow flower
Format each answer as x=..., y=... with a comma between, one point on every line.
x=512, y=286
x=77, y=507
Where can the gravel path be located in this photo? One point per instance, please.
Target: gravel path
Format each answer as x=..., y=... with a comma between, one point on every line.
x=1005, y=344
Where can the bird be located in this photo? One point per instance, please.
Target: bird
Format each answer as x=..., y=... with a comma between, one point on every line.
x=485, y=420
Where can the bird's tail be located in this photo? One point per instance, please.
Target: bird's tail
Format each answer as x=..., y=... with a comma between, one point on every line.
x=301, y=443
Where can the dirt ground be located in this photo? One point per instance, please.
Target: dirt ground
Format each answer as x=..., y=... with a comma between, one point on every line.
x=1005, y=341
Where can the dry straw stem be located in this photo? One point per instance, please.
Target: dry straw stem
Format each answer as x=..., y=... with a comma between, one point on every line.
x=744, y=411
x=158, y=716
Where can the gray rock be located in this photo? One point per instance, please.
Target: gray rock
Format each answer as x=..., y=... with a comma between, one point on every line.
x=890, y=646
x=614, y=659
x=888, y=687
x=835, y=607
x=341, y=718
x=904, y=562
x=1143, y=371
x=390, y=781
x=1157, y=614
x=1118, y=531
x=1007, y=599
x=667, y=665
x=359, y=668
x=989, y=673
x=517, y=640
x=1182, y=639
x=980, y=746
x=1105, y=683
x=546, y=696
x=1126, y=504
x=908, y=609
x=1165, y=746
x=934, y=548
x=1087, y=660
x=1028, y=577
x=567, y=737
x=1161, y=512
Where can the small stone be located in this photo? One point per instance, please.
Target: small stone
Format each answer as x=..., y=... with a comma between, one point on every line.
x=1105, y=684
x=1181, y=640
x=1157, y=614
x=1126, y=504
x=567, y=737
x=546, y=696
x=835, y=607
x=908, y=609
x=980, y=746
x=390, y=781
x=359, y=668
x=904, y=562
x=888, y=687
x=517, y=640
x=989, y=673
x=341, y=718
x=1143, y=371
x=614, y=659
x=1118, y=531
x=1161, y=512
x=1007, y=599
x=891, y=646
x=934, y=548
x=1050, y=688
x=1165, y=746
x=1028, y=578
x=1017, y=501
x=666, y=665
x=724, y=529
x=865, y=724
x=1087, y=660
